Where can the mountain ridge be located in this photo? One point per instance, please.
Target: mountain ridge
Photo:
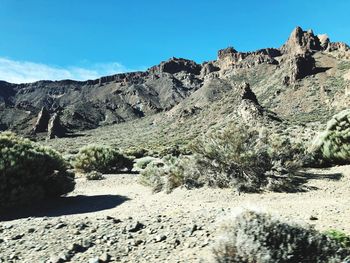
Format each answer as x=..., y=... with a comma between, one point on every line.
x=122, y=97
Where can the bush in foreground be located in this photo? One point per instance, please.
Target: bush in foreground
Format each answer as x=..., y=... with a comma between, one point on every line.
x=251, y=237
x=101, y=159
x=333, y=145
x=29, y=172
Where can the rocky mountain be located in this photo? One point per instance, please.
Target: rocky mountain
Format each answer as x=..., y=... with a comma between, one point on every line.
x=306, y=79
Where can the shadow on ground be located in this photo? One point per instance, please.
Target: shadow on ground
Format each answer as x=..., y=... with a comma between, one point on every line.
x=299, y=180
x=63, y=206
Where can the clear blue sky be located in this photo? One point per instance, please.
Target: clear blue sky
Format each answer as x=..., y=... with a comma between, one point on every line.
x=95, y=34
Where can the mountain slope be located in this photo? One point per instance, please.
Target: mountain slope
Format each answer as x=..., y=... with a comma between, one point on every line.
x=305, y=80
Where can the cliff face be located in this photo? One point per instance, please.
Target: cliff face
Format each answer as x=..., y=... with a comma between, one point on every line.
x=123, y=97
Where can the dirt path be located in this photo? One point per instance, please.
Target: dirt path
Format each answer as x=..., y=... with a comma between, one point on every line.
x=177, y=227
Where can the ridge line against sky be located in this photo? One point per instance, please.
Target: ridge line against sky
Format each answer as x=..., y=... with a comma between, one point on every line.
x=43, y=39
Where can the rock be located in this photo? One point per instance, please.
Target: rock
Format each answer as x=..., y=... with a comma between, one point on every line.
x=176, y=65
x=340, y=46
x=55, y=259
x=55, y=129
x=60, y=225
x=42, y=122
x=208, y=68
x=324, y=41
x=300, y=42
x=313, y=218
x=135, y=227
x=105, y=257
x=94, y=260
x=114, y=220
x=160, y=238
x=301, y=65
x=17, y=237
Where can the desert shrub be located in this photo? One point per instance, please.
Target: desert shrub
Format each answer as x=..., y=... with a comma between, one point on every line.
x=339, y=236
x=332, y=146
x=250, y=237
x=247, y=159
x=136, y=152
x=29, y=172
x=94, y=176
x=141, y=164
x=240, y=157
x=165, y=174
x=101, y=159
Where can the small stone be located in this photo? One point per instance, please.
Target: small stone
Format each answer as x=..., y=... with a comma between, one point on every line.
x=94, y=260
x=114, y=220
x=160, y=238
x=313, y=218
x=135, y=227
x=16, y=237
x=31, y=230
x=60, y=225
x=105, y=257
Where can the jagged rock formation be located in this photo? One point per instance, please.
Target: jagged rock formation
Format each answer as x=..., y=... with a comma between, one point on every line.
x=124, y=97
x=55, y=129
x=42, y=121
x=301, y=41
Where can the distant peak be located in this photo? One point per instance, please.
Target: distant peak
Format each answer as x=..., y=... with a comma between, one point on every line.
x=301, y=41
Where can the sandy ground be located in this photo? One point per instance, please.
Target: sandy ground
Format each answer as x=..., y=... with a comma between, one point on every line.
x=120, y=196
x=328, y=200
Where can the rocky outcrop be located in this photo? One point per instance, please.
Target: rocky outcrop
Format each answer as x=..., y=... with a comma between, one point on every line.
x=42, y=121
x=176, y=65
x=55, y=129
x=249, y=109
x=230, y=58
x=301, y=65
x=324, y=41
x=341, y=46
x=208, y=68
x=300, y=42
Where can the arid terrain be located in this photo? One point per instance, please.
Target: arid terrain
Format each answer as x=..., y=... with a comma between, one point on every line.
x=291, y=91
x=126, y=221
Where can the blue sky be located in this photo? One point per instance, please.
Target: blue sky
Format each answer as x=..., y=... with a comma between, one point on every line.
x=80, y=39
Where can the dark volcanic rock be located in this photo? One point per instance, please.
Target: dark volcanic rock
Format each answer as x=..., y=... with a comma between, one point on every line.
x=301, y=65
x=42, y=122
x=175, y=65
x=55, y=129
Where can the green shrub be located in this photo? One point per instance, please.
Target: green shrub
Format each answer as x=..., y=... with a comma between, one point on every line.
x=339, y=236
x=141, y=164
x=165, y=174
x=94, y=176
x=101, y=159
x=240, y=157
x=333, y=145
x=29, y=172
x=251, y=237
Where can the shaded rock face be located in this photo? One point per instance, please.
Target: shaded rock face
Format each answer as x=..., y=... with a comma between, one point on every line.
x=55, y=129
x=301, y=65
x=42, y=121
x=176, y=65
